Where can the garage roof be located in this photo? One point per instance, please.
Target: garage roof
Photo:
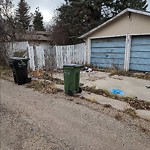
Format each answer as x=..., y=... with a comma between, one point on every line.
x=112, y=19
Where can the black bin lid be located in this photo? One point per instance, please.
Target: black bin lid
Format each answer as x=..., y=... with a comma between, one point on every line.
x=18, y=58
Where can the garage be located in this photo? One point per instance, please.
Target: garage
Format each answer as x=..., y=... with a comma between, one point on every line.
x=122, y=42
x=108, y=52
x=140, y=53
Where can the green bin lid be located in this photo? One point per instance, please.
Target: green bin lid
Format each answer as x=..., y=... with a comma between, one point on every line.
x=73, y=65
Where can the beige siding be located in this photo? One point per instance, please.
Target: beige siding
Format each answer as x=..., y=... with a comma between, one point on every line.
x=136, y=24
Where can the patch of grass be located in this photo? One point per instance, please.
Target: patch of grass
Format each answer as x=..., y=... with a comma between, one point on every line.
x=93, y=100
x=44, y=87
x=140, y=75
x=5, y=71
x=130, y=112
x=46, y=76
x=134, y=102
x=118, y=117
x=119, y=73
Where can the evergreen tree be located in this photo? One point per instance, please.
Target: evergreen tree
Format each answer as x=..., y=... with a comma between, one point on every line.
x=38, y=21
x=119, y=5
x=79, y=16
x=22, y=15
x=76, y=17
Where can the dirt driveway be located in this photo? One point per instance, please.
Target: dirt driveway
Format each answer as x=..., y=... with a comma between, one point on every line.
x=34, y=121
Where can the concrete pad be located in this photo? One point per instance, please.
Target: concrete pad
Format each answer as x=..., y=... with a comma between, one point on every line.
x=143, y=114
x=132, y=87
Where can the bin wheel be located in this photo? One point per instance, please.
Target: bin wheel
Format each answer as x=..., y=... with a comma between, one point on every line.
x=70, y=92
x=15, y=78
x=80, y=90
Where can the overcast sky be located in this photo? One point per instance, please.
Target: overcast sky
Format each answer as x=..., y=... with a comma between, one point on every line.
x=47, y=7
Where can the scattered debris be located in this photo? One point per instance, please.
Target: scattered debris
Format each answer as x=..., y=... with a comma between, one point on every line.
x=46, y=76
x=5, y=71
x=131, y=112
x=148, y=86
x=93, y=100
x=107, y=106
x=117, y=77
x=95, y=78
x=37, y=73
x=118, y=116
x=117, y=91
x=34, y=79
x=78, y=103
x=82, y=97
x=87, y=69
x=70, y=99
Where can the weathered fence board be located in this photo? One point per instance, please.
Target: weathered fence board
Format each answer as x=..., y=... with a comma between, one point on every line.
x=70, y=54
x=17, y=46
x=52, y=57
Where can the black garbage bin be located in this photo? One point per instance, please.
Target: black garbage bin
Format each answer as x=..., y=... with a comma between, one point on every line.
x=19, y=68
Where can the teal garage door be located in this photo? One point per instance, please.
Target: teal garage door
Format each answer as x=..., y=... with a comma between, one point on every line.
x=108, y=52
x=140, y=53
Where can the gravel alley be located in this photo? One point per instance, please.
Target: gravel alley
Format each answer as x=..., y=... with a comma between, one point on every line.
x=31, y=120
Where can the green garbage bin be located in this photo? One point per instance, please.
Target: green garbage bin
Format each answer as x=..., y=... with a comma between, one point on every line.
x=19, y=68
x=72, y=78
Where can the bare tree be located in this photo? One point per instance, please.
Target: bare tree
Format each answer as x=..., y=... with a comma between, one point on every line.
x=7, y=28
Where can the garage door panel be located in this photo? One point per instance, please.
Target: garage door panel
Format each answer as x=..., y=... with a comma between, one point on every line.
x=140, y=61
x=111, y=61
x=140, y=67
x=108, y=52
x=140, y=40
x=140, y=53
x=108, y=62
x=107, y=65
x=108, y=55
x=139, y=48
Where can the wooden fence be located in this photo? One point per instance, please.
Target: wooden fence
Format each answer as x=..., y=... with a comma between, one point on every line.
x=54, y=57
